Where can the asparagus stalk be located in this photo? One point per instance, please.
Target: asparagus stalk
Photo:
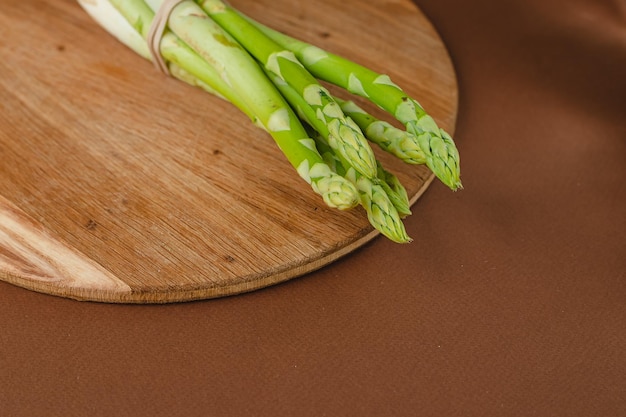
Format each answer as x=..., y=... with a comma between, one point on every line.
x=441, y=154
x=178, y=54
x=347, y=138
x=108, y=17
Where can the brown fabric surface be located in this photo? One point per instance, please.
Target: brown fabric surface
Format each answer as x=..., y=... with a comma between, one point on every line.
x=510, y=302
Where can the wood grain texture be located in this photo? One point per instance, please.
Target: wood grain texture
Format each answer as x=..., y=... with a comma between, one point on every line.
x=118, y=184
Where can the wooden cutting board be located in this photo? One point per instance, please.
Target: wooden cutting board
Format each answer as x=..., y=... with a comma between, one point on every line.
x=118, y=184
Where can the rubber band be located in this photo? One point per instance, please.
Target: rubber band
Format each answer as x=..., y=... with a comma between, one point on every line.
x=156, y=33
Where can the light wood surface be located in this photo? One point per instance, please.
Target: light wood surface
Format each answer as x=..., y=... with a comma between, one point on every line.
x=118, y=184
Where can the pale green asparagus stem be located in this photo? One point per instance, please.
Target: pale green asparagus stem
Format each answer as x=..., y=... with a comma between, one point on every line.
x=184, y=63
x=348, y=139
x=250, y=90
x=137, y=13
x=107, y=16
x=176, y=52
x=442, y=156
x=185, y=76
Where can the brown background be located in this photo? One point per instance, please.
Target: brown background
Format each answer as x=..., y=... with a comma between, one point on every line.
x=510, y=302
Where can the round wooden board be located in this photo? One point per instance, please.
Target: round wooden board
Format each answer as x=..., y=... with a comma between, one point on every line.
x=118, y=184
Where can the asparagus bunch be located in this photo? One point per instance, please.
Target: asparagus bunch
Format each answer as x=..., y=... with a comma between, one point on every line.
x=276, y=81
